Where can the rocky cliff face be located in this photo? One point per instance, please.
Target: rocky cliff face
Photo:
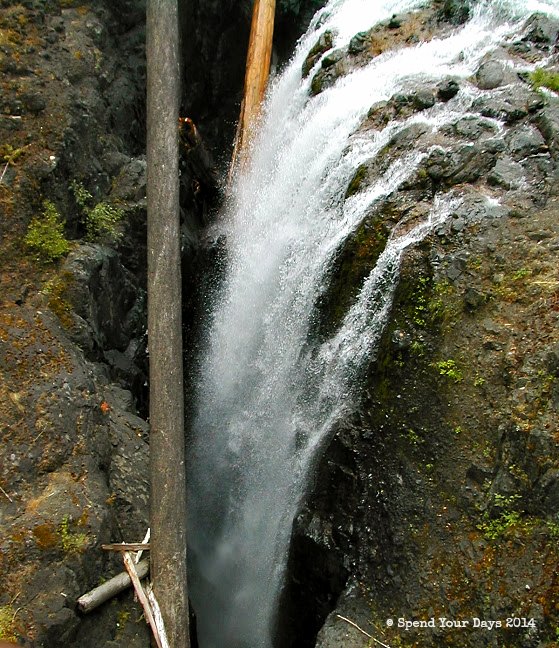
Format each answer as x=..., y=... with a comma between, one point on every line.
x=439, y=498
x=72, y=368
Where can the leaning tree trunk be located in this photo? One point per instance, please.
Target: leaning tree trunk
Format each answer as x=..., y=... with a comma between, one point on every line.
x=168, y=487
x=256, y=77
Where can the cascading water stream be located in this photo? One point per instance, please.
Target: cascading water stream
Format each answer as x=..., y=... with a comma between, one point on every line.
x=267, y=393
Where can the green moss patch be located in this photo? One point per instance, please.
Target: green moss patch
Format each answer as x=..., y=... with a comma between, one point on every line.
x=357, y=181
x=541, y=78
x=45, y=234
x=354, y=261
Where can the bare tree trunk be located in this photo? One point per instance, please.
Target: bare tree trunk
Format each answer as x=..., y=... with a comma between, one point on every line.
x=256, y=76
x=168, y=484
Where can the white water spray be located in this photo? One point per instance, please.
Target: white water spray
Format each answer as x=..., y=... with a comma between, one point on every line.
x=267, y=397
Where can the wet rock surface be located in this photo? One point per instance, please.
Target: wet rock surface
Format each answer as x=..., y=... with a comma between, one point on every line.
x=438, y=497
x=73, y=458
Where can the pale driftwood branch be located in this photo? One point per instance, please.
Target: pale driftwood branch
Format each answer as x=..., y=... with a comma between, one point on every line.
x=352, y=623
x=158, y=618
x=131, y=569
x=111, y=588
x=4, y=171
x=1, y=489
x=144, y=541
x=126, y=546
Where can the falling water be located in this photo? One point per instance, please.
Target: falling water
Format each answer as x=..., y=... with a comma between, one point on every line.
x=267, y=394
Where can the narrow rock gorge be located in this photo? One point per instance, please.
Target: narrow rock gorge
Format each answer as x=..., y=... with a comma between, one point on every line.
x=371, y=323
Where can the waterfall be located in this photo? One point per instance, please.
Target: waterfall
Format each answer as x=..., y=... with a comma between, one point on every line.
x=268, y=393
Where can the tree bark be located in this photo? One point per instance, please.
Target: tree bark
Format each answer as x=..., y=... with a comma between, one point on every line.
x=256, y=77
x=167, y=445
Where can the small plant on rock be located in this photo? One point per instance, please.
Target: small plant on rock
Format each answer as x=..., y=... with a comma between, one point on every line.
x=45, y=234
x=450, y=369
x=541, y=78
x=495, y=528
x=7, y=616
x=71, y=542
x=101, y=220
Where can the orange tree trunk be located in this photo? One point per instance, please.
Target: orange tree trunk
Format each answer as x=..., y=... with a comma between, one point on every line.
x=256, y=77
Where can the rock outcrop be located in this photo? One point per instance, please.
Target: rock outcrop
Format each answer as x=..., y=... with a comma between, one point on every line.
x=74, y=452
x=438, y=498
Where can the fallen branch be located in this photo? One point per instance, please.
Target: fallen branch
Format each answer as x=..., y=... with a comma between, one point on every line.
x=1, y=489
x=97, y=596
x=145, y=541
x=352, y=623
x=157, y=617
x=131, y=569
x=4, y=171
x=126, y=546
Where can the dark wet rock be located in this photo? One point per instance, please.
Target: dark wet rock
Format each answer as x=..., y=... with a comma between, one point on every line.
x=128, y=435
x=129, y=12
x=125, y=100
x=540, y=443
x=113, y=160
x=455, y=266
x=337, y=631
x=323, y=44
x=467, y=163
x=357, y=181
x=358, y=43
x=552, y=360
x=524, y=141
x=80, y=496
x=130, y=184
x=34, y=102
x=457, y=224
x=478, y=474
x=332, y=58
x=447, y=89
x=456, y=12
x=472, y=128
x=401, y=106
x=511, y=105
x=401, y=339
x=104, y=296
x=407, y=136
x=423, y=99
x=490, y=74
x=506, y=173
x=379, y=113
x=327, y=77
x=541, y=174
x=474, y=298
x=548, y=123
x=542, y=29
